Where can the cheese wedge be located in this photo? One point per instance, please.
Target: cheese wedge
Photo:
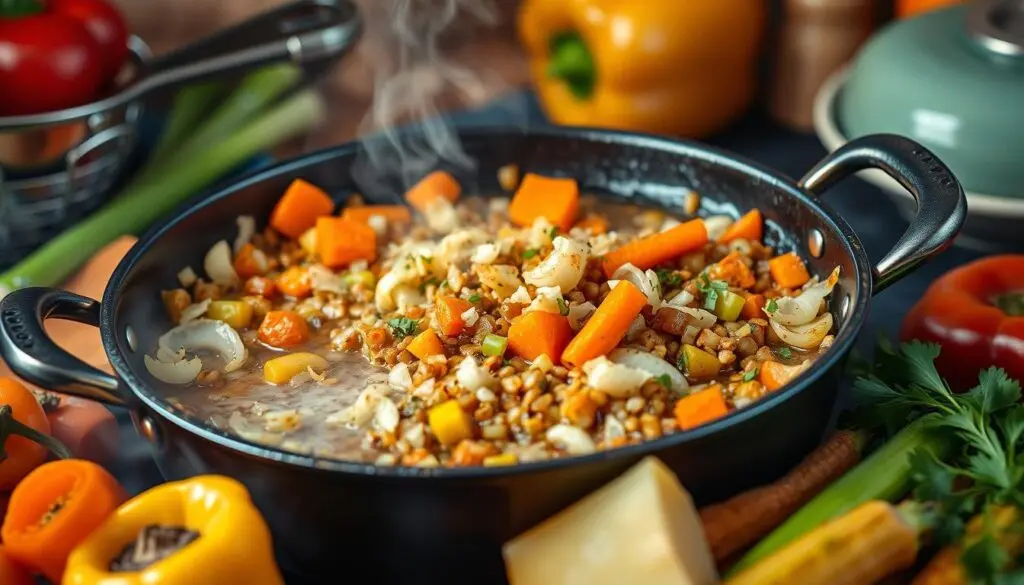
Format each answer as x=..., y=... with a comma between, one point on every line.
x=640, y=529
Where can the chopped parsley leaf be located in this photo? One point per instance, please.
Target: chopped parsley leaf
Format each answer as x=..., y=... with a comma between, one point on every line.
x=403, y=326
x=474, y=298
x=771, y=307
x=750, y=375
x=530, y=253
x=784, y=353
x=553, y=232
x=711, y=290
x=563, y=307
x=669, y=279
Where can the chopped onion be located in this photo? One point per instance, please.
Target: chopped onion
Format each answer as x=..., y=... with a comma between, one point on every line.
x=187, y=277
x=615, y=380
x=406, y=296
x=577, y=313
x=208, y=334
x=386, y=416
x=441, y=215
x=379, y=224
x=173, y=372
x=574, y=440
x=807, y=336
x=485, y=254
x=363, y=410
x=194, y=311
x=803, y=308
x=563, y=268
x=399, y=377
x=650, y=363
x=470, y=316
x=218, y=264
x=246, y=230
x=613, y=429
x=702, y=318
x=521, y=296
x=324, y=279
x=501, y=278
x=690, y=334
x=680, y=300
x=546, y=301
x=473, y=376
x=647, y=282
x=716, y=225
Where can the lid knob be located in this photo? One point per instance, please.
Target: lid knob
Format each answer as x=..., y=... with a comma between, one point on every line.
x=998, y=26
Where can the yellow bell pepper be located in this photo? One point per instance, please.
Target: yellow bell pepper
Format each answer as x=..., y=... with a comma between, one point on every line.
x=675, y=67
x=233, y=545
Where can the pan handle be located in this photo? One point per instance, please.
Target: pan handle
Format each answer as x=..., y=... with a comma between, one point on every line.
x=31, y=354
x=941, y=204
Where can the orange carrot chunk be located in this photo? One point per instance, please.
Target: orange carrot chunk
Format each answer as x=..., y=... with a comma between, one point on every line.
x=299, y=208
x=448, y=311
x=438, y=184
x=554, y=199
x=749, y=227
x=788, y=270
x=753, y=307
x=340, y=242
x=596, y=224
x=426, y=344
x=700, y=407
x=392, y=213
x=733, y=270
x=538, y=332
x=657, y=248
x=607, y=326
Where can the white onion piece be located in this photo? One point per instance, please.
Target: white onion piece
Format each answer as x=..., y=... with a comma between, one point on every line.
x=379, y=224
x=577, y=313
x=441, y=215
x=562, y=268
x=399, y=377
x=501, y=278
x=251, y=431
x=473, y=376
x=246, y=230
x=650, y=363
x=177, y=372
x=615, y=380
x=803, y=308
x=324, y=279
x=187, y=277
x=521, y=296
x=807, y=336
x=716, y=225
x=689, y=334
x=407, y=296
x=219, y=266
x=485, y=254
x=546, y=301
x=702, y=318
x=363, y=410
x=386, y=415
x=574, y=440
x=194, y=311
x=646, y=282
x=208, y=334
x=680, y=300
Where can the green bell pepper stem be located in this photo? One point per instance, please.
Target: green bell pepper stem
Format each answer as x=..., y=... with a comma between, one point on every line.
x=20, y=8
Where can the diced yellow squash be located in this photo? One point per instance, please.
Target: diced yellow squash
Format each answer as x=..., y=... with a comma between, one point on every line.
x=640, y=529
x=449, y=423
x=282, y=369
x=238, y=314
x=425, y=345
x=500, y=460
x=308, y=241
x=699, y=364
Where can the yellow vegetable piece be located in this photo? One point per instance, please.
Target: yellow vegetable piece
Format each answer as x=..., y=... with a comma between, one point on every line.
x=238, y=314
x=699, y=364
x=729, y=305
x=640, y=529
x=500, y=460
x=363, y=277
x=282, y=369
x=426, y=344
x=308, y=241
x=449, y=423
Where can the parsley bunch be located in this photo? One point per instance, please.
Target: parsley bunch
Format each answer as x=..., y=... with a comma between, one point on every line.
x=987, y=468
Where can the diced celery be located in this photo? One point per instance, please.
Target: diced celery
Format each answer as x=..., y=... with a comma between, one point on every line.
x=494, y=345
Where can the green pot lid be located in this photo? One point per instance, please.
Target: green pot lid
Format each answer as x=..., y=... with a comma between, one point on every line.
x=952, y=79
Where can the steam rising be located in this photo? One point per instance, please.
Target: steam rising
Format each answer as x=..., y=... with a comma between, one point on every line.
x=411, y=78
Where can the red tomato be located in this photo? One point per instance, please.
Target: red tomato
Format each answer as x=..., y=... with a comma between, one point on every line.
x=104, y=23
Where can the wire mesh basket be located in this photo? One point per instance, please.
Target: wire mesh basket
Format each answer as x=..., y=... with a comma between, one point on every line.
x=57, y=167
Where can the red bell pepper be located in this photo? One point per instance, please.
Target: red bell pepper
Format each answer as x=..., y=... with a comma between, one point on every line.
x=56, y=54
x=976, y=313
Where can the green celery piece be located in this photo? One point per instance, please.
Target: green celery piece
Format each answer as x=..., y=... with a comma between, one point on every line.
x=191, y=106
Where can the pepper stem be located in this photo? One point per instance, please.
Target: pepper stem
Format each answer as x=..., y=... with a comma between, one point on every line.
x=1011, y=303
x=572, y=63
x=20, y=8
x=11, y=427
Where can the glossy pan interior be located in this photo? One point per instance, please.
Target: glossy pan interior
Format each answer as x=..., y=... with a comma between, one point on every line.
x=429, y=523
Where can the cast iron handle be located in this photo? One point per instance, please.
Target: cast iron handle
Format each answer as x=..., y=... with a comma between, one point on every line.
x=941, y=204
x=31, y=354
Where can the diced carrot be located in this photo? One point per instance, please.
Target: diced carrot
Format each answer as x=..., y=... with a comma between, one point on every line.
x=734, y=270
x=392, y=213
x=607, y=326
x=260, y=286
x=775, y=375
x=296, y=282
x=749, y=227
x=657, y=248
x=448, y=311
x=596, y=224
x=788, y=270
x=250, y=262
x=283, y=329
x=701, y=407
x=299, y=208
x=555, y=199
x=340, y=242
x=537, y=333
x=426, y=344
x=753, y=307
x=436, y=184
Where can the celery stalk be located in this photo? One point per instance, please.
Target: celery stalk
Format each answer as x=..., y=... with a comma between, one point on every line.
x=142, y=203
x=191, y=106
x=884, y=475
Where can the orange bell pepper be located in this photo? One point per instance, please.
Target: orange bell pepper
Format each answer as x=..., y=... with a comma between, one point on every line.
x=12, y=573
x=54, y=509
x=660, y=66
x=908, y=8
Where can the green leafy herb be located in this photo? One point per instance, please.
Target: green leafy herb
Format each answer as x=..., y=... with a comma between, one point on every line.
x=771, y=307
x=403, y=327
x=665, y=380
x=784, y=353
x=563, y=307
x=669, y=279
x=530, y=253
x=553, y=233
x=711, y=289
x=750, y=375
x=443, y=284
x=681, y=361
x=988, y=425
x=474, y=298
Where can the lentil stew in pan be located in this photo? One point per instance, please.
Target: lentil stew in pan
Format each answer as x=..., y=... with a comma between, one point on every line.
x=470, y=331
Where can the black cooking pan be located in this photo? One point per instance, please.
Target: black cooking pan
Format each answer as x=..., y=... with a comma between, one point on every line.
x=333, y=519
